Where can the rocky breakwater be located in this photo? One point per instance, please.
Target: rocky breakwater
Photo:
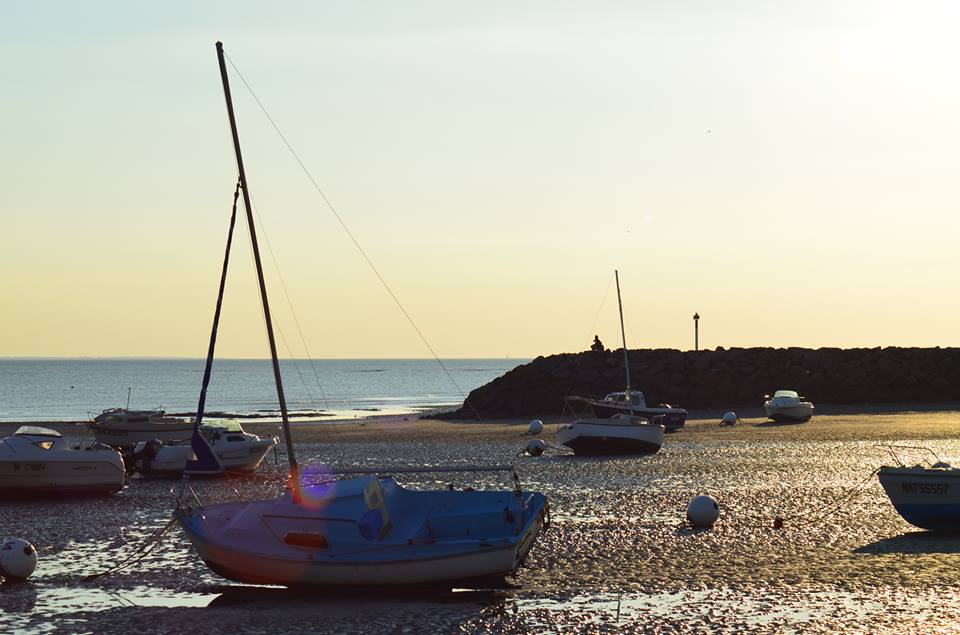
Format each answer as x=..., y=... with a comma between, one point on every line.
x=723, y=378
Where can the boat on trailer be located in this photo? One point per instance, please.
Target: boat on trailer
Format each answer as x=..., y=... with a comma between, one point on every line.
x=365, y=531
x=39, y=461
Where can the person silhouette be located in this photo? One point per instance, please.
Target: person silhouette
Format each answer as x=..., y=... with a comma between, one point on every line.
x=597, y=346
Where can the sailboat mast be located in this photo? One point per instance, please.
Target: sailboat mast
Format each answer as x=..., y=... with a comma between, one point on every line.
x=623, y=334
x=294, y=476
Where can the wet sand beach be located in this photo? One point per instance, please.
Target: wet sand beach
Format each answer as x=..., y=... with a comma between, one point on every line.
x=617, y=558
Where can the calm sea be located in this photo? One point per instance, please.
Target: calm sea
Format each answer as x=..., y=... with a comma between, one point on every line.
x=73, y=389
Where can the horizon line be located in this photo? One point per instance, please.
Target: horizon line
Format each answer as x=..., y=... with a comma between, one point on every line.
x=249, y=359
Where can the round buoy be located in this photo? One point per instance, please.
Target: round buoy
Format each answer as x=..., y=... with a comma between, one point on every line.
x=18, y=559
x=703, y=511
x=536, y=427
x=535, y=447
x=729, y=419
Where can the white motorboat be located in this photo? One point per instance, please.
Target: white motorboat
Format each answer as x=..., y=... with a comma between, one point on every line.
x=355, y=531
x=120, y=427
x=619, y=434
x=787, y=405
x=38, y=460
x=237, y=451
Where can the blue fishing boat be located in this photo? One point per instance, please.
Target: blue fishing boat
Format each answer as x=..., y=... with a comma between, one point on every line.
x=364, y=531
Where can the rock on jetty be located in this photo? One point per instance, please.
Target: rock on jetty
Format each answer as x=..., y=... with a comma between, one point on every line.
x=723, y=377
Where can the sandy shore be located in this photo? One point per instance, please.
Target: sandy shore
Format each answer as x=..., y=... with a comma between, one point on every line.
x=618, y=557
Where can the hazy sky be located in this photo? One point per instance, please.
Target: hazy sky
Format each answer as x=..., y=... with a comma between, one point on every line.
x=787, y=169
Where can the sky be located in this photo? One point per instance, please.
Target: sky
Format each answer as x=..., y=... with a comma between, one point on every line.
x=787, y=170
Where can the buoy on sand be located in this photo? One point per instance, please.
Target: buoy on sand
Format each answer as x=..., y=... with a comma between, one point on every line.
x=536, y=427
x=729, y=419
x=703, y=511
x=535, y=447
x=18, y=559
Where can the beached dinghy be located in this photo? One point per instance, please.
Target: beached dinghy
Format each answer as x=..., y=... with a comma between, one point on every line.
x=787, y=405
x=120, y=427
x=351, y=532
x=40, y=461
x=238, y=451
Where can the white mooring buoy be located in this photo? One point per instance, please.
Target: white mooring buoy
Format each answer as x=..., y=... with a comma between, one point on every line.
x=703, y=511
x=536, y=427
x=18, y=559
x=536, y=447
x=729, y=419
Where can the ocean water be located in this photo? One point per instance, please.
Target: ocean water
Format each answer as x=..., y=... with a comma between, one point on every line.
x=74, y=389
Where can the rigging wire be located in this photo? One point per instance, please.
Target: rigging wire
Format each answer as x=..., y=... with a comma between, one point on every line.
x=350, y=235
x=596, y=318
x=296, y=320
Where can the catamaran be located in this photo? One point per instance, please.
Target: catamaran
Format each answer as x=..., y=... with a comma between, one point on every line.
x=366, y=531
x=616, y=432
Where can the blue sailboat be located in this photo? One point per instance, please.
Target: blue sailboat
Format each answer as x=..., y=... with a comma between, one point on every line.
x=364, y=531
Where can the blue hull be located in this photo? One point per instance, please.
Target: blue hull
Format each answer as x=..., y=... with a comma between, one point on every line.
x=931, y=517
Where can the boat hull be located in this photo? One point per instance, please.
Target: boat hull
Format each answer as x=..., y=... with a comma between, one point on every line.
x=797, y=414
x=121, y=434
x=30, y=477
x=925, y=498
x=603, y=437
x=247, y=542
x=172, y=460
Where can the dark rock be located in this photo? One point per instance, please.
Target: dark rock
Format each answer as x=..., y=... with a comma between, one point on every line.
x=724, y=378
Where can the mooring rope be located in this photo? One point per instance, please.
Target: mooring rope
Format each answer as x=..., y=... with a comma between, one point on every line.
x=821, y=513
x=139, y=554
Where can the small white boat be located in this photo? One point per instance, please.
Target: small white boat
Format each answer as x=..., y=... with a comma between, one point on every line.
x=787, y=405
x=38, y=460
x=619, y=434
x=120, y=427
x=236, y=450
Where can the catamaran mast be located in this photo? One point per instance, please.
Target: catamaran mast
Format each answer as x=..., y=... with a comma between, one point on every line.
x=294, y=476
x=623, y=333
